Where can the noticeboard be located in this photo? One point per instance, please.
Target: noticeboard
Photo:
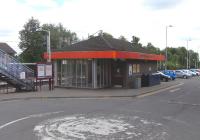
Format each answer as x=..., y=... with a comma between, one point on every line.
x=44, y=70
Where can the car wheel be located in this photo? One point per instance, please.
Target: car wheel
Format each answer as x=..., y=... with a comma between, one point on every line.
x=185, y=77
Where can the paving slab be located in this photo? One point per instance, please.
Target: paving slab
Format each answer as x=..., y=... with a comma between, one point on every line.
x=87, y=93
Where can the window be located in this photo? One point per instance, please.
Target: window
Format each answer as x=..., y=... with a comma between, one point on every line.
x=138, y=68
x=134, y=68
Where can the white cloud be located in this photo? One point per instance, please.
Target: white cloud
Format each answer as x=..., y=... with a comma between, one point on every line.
x=118, y=17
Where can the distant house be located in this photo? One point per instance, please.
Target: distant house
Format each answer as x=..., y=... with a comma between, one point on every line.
x=6, y=48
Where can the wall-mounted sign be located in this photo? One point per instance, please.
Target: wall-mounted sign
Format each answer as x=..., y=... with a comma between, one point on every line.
x=22, y=75
x=130, y=70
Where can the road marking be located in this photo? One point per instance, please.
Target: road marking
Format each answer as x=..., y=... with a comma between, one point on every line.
x=170, y=118
x=27, y=117
x=158, y=91
x=174, y=90
x=183, y=103
x=100, y=126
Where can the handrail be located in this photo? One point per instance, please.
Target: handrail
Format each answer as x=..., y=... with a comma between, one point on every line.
x=13, y=69
x=15, y=59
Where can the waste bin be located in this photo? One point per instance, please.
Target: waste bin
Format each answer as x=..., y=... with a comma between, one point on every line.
x=137, y=83
x=154, y=79
x=150, y=80
x=144, y=80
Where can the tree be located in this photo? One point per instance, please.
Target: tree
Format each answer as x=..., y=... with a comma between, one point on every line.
x=135, y=41
x=31, y=42
x=33, y=39
x=122, y=38
x=107, y=35
x=152, y=48
x=60, y=37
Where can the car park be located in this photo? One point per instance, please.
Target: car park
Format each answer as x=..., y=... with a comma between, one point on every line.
x=182, y=74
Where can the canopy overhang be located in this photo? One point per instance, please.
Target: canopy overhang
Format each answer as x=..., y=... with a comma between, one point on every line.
x=104, y=55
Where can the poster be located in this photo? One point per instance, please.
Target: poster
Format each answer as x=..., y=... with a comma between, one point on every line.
x=48, y=70
x=130, y=71
x=40, y=70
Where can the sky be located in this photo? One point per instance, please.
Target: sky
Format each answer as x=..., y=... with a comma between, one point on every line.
x=146, y=19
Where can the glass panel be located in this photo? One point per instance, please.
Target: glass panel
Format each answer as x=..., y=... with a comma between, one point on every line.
x=76, y=73
x=134, y=68
x=138, y=68
x=89, y=73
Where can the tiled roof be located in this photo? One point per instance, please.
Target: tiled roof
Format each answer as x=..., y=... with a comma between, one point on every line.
x=6, y=48
x=100, y=43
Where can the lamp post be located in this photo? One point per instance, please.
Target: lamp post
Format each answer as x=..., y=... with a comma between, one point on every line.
x=166, y=48
x=188, y=57
x=48, y=43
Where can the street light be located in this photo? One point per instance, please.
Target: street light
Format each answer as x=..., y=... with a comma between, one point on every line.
x=188, y=57
x=48, y=44
x=166, y=47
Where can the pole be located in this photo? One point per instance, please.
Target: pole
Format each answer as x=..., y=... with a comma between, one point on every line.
x=195, y=64
x=187, y=56
x=49, y=47
x=166, y=51
x=48, y=43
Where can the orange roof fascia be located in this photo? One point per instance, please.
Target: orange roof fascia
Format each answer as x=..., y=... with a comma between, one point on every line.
x=104, y=54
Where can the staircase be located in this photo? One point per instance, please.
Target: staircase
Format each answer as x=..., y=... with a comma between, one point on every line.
x=12, y=71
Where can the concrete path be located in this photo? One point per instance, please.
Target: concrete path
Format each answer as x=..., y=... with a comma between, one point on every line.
x=88, y=93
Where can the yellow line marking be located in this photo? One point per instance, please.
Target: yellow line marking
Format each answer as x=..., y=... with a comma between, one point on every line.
x=173, y=90
x=158, y=91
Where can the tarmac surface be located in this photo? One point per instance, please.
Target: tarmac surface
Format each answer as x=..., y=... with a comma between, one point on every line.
x=169, y=111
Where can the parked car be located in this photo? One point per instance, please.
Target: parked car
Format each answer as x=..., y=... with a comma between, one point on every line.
x=163, y=76
x=182, y=74
x=170, y=73
x=195, y=71
x=189, y=72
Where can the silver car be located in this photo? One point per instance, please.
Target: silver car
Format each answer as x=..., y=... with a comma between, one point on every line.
x=182, y=74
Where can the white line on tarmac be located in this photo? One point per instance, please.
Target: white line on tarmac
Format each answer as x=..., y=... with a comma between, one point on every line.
x=158, y=91
x=174, y=90
x=30, y=116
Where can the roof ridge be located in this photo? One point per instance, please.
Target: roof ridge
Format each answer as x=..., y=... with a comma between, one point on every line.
x=107, y=42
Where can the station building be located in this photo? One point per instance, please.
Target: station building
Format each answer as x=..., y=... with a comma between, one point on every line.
x=101, y=62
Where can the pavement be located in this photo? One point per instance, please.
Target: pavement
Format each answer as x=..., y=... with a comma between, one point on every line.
x=88, y=93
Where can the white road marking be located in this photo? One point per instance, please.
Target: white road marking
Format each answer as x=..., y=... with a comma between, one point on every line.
x=100, y=126
x=170, y=118
x=8, y=101
x=174, y=90
x=158, y=91
x=27, y=117
x=183, y=103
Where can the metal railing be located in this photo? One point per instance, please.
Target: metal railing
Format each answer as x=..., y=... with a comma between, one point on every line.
x=19, y=74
